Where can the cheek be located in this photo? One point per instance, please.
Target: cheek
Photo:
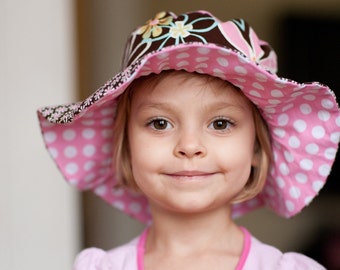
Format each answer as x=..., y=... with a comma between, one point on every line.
x=236, y=153
x=146, y=163
x=146, y=154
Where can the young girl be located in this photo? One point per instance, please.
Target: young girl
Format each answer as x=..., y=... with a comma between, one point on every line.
x=196, y=129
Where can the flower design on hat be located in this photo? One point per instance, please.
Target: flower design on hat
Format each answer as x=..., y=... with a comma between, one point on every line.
x=167, y=29
x=242, y=37
x=153, y=28
x=180, y=30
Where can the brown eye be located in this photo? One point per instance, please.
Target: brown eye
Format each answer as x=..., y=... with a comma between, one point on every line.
x=220, y=124
x=160, y=124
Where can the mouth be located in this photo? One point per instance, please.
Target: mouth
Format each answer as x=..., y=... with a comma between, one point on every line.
x=190, y=175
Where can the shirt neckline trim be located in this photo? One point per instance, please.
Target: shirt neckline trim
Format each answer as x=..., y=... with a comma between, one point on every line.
x=240, y=264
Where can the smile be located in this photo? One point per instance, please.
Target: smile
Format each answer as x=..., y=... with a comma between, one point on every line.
x=190, y=175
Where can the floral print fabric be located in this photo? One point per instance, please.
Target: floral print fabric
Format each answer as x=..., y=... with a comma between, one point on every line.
x=166, y=29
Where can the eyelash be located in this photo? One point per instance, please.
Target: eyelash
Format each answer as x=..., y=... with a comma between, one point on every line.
x=226, y=123
x=153, y=121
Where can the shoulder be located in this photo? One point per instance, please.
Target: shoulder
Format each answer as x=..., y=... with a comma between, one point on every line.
x=297, y=261
x=262, y=256
x=122, y=257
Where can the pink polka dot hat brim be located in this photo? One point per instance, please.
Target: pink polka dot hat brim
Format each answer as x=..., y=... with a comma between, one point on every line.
x=303, y=120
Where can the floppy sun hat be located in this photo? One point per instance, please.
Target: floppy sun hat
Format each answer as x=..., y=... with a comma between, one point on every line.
x=303, y=118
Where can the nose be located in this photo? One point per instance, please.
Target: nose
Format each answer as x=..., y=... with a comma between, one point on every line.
x=190, y=145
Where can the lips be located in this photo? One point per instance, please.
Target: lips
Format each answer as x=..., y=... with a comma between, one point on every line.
x=191, y=173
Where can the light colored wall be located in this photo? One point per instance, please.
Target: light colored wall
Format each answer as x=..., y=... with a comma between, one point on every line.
x=39, y=213
x=111, y=22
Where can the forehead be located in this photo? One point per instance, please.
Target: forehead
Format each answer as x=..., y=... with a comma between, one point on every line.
x=172, y=85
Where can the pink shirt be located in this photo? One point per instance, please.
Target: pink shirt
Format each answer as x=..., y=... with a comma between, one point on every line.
x=255, y=256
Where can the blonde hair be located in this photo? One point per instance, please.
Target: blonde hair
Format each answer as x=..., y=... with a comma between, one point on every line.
x=121, y=153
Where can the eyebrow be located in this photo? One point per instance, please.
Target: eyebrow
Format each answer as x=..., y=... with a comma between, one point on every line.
x=153, y=105
x=228, y=105
x=207, y=107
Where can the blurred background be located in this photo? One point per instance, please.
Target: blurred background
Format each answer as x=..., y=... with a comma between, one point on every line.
x=59, y=51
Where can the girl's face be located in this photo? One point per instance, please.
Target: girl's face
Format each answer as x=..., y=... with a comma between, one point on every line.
x=191, y=143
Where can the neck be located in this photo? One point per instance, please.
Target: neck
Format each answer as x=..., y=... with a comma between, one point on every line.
x=183, y=232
